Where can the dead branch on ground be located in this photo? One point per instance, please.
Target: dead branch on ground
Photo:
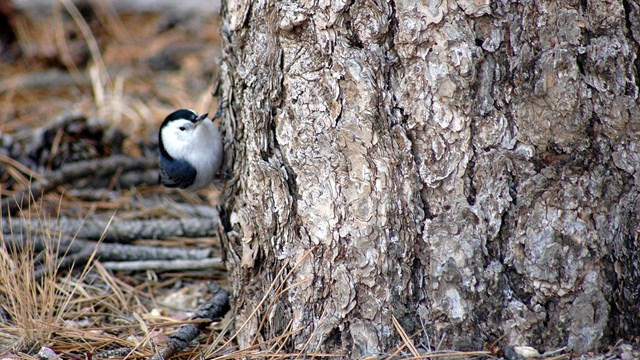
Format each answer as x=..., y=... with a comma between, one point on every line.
x=165, y=265
x=212, y=311
x=122, y=231
x=98, y=168
x=76, y=252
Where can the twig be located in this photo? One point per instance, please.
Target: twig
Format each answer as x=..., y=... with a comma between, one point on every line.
x=212, y=311
x=103, y=167
x=159, y=265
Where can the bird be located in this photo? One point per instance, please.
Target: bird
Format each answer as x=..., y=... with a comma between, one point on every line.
x=190, y=150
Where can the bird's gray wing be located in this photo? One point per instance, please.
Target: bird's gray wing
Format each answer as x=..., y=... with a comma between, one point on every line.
x=176, y=173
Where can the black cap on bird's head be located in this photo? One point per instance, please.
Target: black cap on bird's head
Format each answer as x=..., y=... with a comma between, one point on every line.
x=184, y=114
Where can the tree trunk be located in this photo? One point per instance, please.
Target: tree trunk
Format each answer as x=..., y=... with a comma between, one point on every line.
x=469, y=168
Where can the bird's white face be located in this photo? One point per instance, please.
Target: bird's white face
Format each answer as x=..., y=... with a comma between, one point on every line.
x=188, y=142
x=178, y=137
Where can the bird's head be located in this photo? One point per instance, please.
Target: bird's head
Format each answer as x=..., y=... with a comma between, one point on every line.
x=178, y=132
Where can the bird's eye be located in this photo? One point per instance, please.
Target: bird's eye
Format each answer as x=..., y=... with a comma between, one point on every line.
x=182, y=128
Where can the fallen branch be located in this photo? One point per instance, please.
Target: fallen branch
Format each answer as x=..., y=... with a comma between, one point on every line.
x=165, y=265
x=124, y=231
x=212, y=311
x=97, y=168
x=125, y=180
x=76, y=253
x=68, y=261
x=118, y=230
x=107, y=251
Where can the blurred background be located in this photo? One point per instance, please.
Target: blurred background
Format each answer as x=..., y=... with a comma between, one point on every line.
x=86, y=79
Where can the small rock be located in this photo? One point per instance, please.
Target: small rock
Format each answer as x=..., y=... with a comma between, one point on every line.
x=46, y=353
x=527, y=352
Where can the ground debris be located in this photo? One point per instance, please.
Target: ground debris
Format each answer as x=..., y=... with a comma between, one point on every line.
x=64, y=139
x=210, y=312
x=78, y=163
x=100, y=168
x=46, y=353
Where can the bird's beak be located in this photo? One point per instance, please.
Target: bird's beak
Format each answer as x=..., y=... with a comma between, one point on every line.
x=200, y=118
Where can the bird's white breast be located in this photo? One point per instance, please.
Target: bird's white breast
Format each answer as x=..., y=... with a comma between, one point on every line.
x=206, y=153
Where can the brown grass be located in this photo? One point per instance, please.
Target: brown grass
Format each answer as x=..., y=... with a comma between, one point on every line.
x=83, y=311
x=35, y=308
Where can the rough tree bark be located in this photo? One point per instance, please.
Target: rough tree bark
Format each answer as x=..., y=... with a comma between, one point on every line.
x=467, y=167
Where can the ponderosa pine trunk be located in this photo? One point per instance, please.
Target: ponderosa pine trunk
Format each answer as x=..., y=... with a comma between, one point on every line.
x=469, y=168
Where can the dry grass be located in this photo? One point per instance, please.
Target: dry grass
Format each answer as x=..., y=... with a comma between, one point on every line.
x=36, y=308
x=84, y=311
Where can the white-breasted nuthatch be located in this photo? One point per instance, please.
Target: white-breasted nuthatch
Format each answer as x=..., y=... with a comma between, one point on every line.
x=190, y=150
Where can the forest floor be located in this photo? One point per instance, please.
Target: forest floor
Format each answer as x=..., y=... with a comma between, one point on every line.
x=83, y=91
